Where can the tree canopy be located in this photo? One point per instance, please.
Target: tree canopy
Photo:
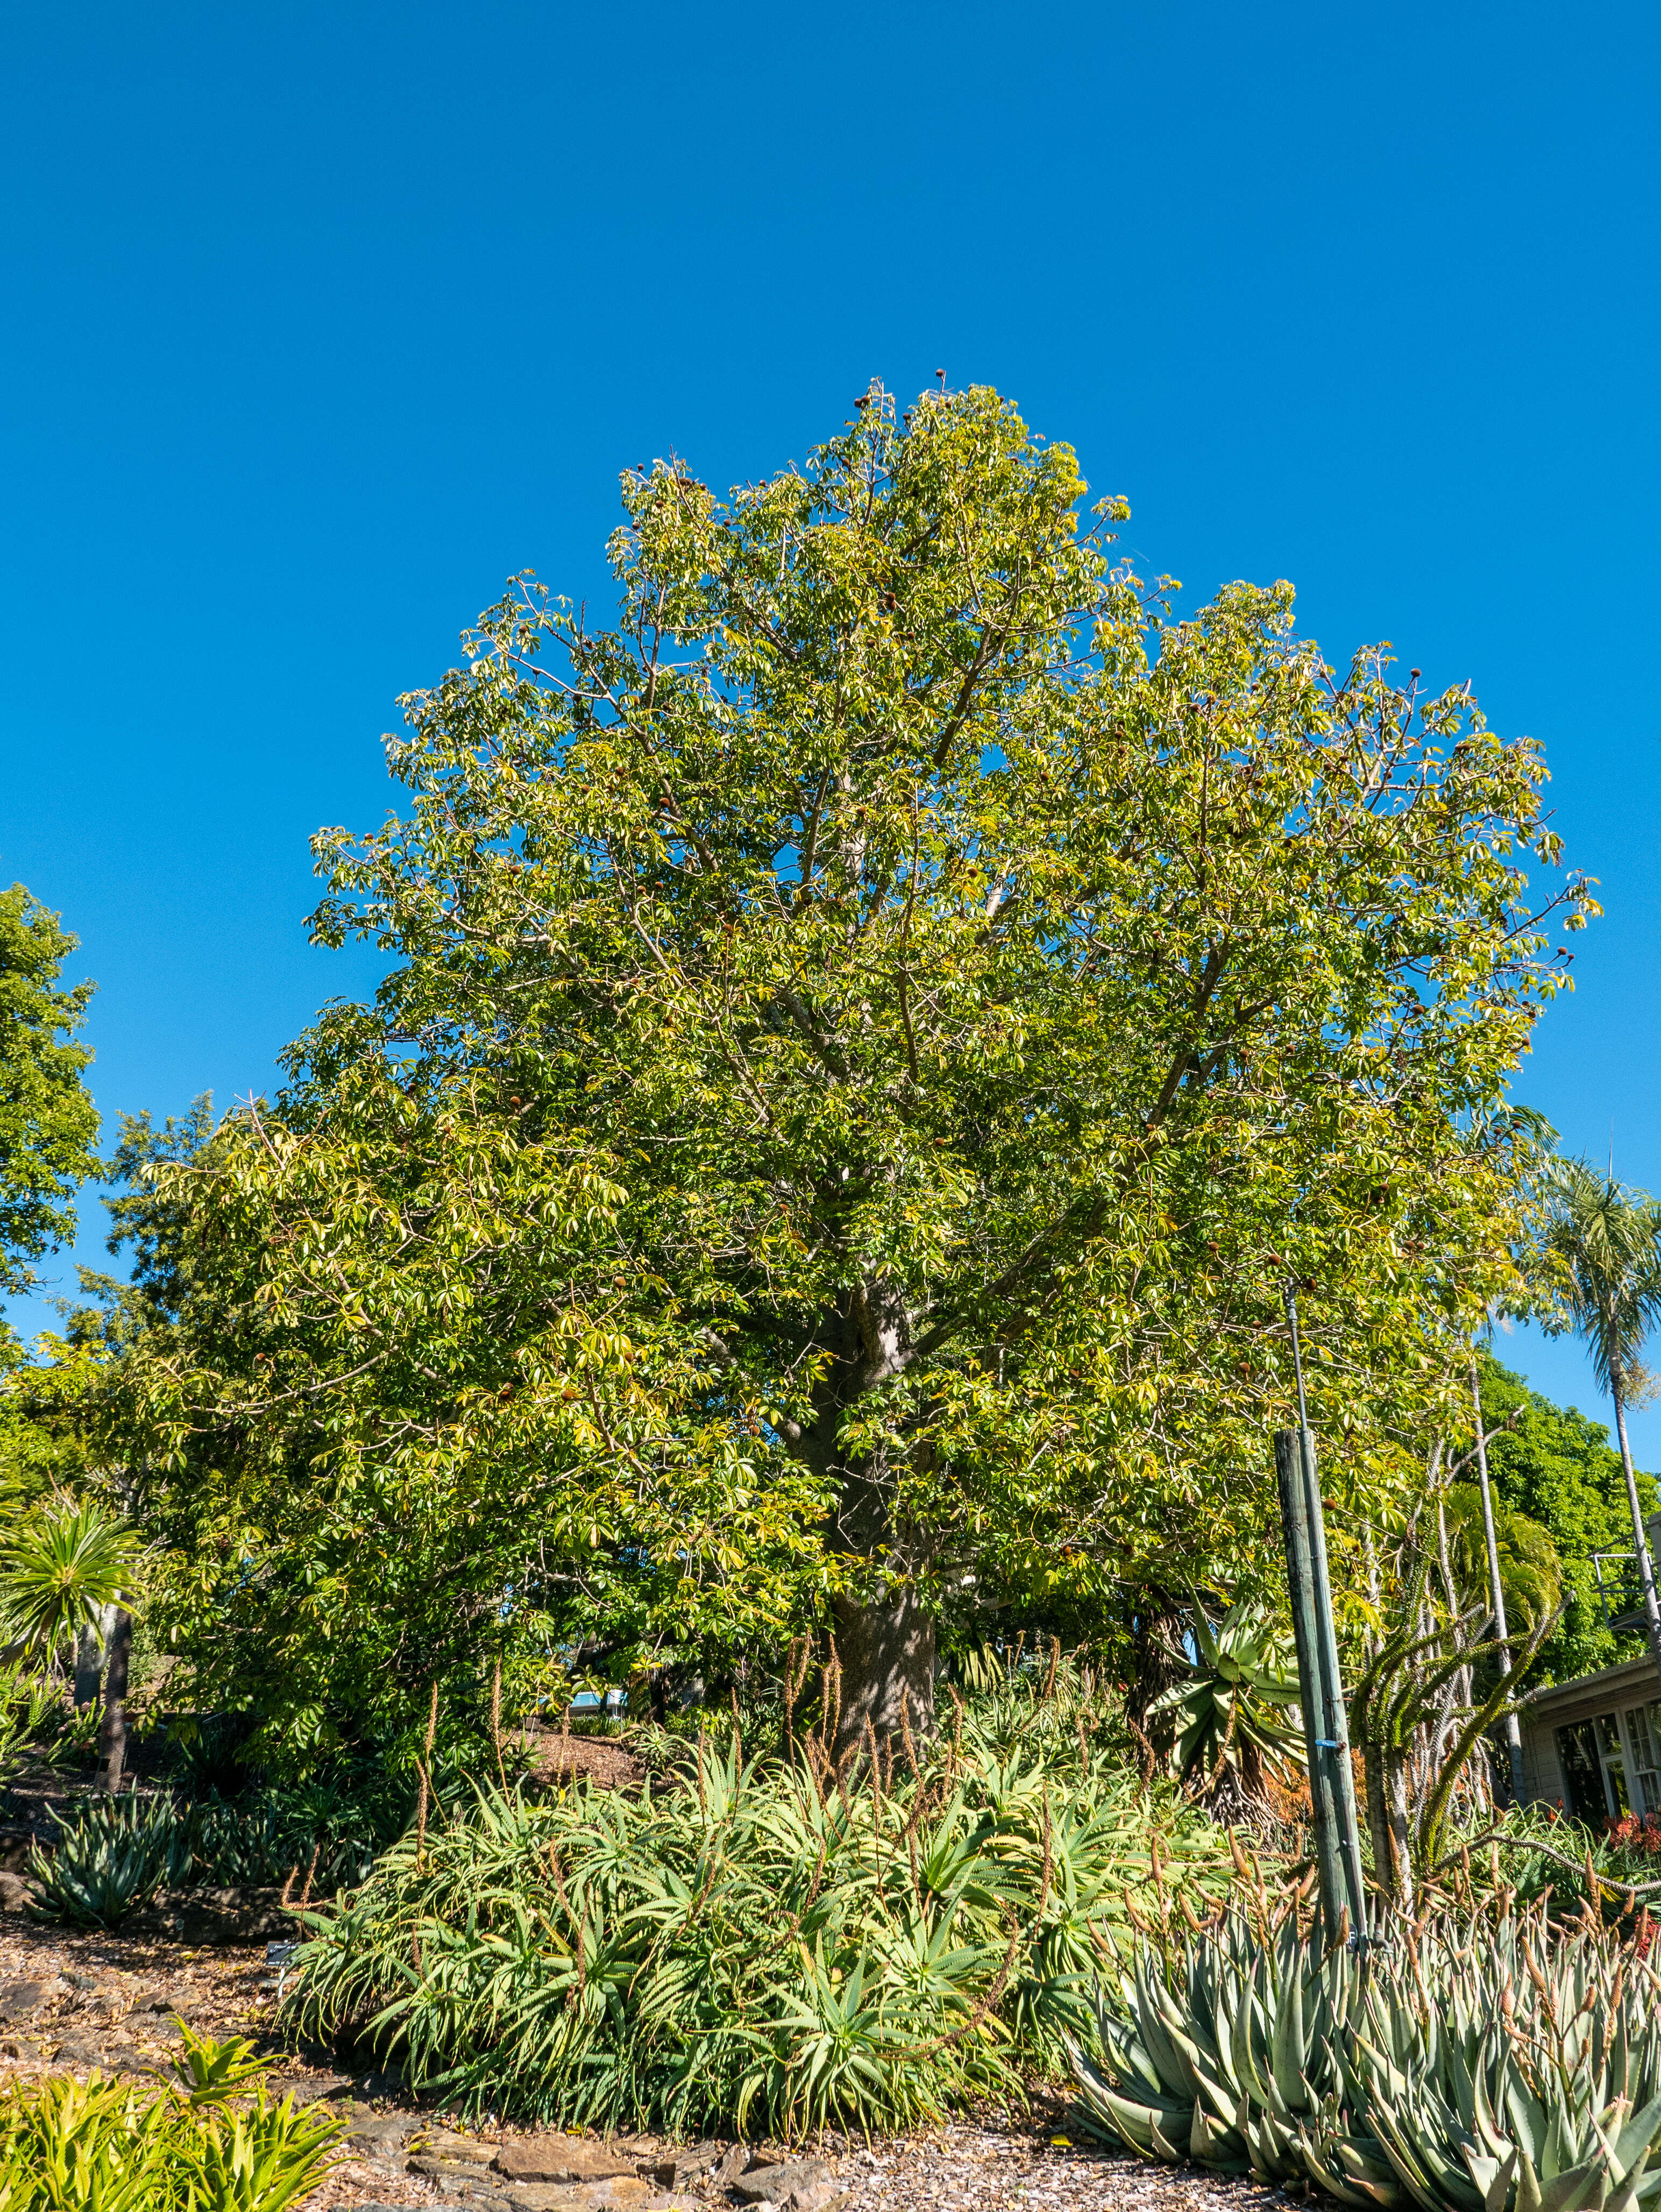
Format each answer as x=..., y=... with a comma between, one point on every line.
x=868, y=1036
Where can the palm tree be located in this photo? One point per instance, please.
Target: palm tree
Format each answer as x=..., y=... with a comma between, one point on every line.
x=60, y=1565
x=1606, y=1239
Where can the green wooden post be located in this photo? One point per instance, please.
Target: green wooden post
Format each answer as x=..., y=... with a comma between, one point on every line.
x=1326, y=1734
x=1306, y=1634
x=1334, y=1728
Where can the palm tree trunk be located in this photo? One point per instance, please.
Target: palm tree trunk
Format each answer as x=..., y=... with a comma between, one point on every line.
x=1496, y=1593
x=1640, y=1540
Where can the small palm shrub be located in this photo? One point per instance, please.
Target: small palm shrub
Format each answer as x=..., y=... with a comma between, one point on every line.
x=62, y=1560
x=1479, y=2067
x=182, y=2148
x=754, y=1947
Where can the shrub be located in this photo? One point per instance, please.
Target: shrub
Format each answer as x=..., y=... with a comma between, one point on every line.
x=26, y=1707
x=114, y=1853
x=750, y=1947
x=1480, y=2067
x=181, y=2148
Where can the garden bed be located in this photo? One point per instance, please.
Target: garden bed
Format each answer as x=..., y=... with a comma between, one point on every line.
x=71, y=2001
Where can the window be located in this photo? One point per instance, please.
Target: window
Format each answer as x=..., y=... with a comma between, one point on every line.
x=1643, y=1734
x=1614, y=1764
x=1582, y=1771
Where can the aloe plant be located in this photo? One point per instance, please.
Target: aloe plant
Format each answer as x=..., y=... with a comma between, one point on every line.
x=109, y=1861
x=755, y=1947
x=1491, y=2069
x=184, y=2148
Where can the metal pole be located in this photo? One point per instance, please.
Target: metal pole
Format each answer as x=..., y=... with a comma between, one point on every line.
x=1331, y=1743
x=1496, y=1594
x=1640, y=1541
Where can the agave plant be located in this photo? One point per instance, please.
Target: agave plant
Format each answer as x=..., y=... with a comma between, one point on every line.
x=1512, y=2071
x=1229, y=1715
x=109, y=1861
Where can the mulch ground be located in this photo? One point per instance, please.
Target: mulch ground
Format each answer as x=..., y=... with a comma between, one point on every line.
x=72, y=2001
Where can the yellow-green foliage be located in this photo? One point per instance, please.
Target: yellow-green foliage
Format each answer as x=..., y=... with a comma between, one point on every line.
x=200, y=2144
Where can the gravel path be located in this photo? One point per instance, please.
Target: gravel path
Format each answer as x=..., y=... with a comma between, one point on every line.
x=69, y=2002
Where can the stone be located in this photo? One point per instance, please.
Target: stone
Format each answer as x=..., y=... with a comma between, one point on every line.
x=220, y=1917
x=565, y=2159
x=21, y=2000
x=104, y=2001
x=802, y=2185
x=675, y=2168
x=14, y=1892
x=727, y=2169
x=443, y=2144
x=79, y=2052
x=610, y=2195
x=434, y=2165
x=381, y=2134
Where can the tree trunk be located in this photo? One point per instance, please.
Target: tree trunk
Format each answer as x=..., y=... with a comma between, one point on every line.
x=886, y=1652
x=885, y=1634
x=1399, y=1840
x=89, y=1665
x=112, y=1735
x=1156, y=1632
x=1640, y=1540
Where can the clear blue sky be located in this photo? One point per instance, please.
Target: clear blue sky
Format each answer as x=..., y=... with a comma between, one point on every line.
x=318, y=322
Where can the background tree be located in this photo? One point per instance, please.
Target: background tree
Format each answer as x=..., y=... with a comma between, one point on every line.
x=1606, y=1240
x=48, y=1124
x=1555, y=1466
x=867, y=1036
